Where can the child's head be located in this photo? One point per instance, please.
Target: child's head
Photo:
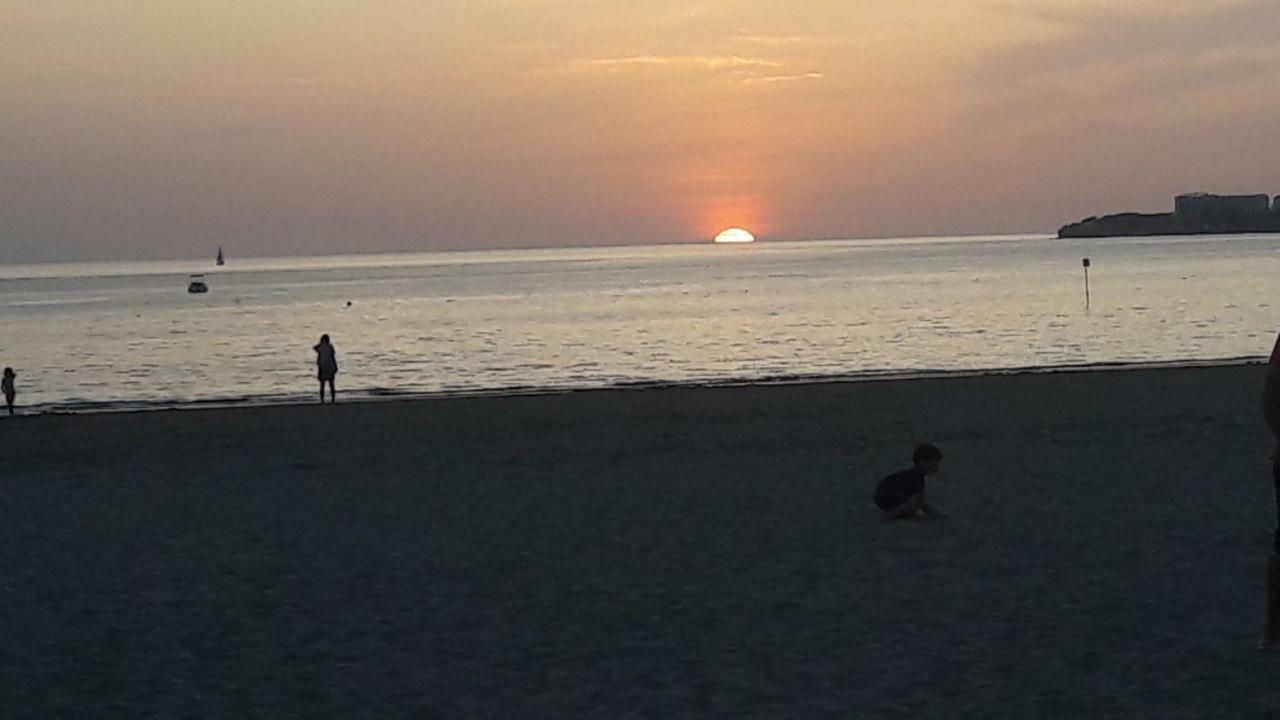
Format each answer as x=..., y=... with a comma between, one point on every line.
x=8, y=372
x=927, y=457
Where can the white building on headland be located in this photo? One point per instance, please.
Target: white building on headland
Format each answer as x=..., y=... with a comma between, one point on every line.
x=1202, y=207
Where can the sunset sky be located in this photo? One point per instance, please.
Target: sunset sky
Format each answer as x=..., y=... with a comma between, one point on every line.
x=142, y=128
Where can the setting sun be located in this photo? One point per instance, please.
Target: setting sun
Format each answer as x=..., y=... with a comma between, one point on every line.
x=735, y=235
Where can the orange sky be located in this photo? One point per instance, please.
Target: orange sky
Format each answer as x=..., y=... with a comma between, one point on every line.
x=160, y=129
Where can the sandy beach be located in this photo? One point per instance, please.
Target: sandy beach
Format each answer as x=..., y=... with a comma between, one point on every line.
x=656, y=553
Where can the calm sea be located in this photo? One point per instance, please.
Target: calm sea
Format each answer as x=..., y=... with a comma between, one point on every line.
x=108, y=335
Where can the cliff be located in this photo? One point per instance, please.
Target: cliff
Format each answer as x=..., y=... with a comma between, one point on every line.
x=1122, y=224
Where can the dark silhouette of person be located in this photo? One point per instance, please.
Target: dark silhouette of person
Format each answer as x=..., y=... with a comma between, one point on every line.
x=1271, y=411
x=10, y=390
x=901, y=494
x=327, y=367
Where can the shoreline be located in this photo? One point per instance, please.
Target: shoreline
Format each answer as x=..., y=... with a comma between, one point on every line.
x=385, y=395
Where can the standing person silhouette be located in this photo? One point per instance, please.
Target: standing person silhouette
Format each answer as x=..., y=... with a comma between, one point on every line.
x=1271, y=411
x=327, y=366
x=7, y=386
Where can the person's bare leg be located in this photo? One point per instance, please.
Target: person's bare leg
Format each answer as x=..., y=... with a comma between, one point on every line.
x=1271, y=632
x=321, y=392
x=333, y=393
x=910, y=508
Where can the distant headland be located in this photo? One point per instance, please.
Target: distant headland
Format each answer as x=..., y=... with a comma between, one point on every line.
x=1193, y=214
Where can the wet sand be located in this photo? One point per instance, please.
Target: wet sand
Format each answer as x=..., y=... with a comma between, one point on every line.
x=658, y=553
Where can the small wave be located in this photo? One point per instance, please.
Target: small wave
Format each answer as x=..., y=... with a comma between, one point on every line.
x=54, y=303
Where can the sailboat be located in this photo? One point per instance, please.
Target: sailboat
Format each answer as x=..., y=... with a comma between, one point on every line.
x=220, y=259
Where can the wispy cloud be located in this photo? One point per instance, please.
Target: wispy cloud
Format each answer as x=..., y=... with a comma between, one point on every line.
x=784, y=78
x=777, y=39
x=729, y=66
x=788, y=41
x=710, y=62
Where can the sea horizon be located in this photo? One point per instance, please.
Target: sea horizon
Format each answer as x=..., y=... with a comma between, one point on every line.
x=13, y=270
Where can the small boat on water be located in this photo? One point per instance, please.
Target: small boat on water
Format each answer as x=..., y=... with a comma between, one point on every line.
x=220, y=259
x=197, y=285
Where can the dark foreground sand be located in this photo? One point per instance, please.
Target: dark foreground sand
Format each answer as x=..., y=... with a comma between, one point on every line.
x=666, y=553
